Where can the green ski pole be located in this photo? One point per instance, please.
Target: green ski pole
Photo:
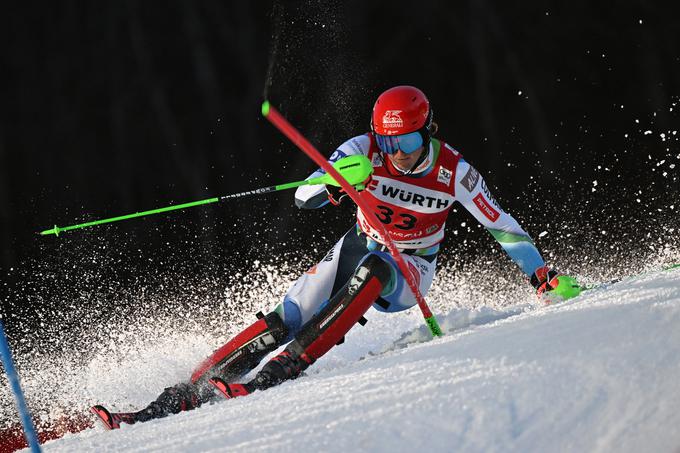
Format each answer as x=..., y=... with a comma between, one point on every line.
x=356, y=169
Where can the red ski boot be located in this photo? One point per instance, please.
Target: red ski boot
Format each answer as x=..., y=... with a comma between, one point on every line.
x=112, y=420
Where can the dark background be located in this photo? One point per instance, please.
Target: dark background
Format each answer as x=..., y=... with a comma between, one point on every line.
x=115, y=107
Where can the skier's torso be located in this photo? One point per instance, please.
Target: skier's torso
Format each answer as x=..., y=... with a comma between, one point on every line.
x=412, y=207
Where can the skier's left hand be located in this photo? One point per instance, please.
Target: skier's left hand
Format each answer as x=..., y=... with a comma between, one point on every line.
x=559, y=286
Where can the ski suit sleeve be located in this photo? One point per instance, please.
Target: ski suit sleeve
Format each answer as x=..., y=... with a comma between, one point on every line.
x=473, y=193
x=312, y=197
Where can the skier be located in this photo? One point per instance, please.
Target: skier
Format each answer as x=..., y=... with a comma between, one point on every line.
x=416, y=180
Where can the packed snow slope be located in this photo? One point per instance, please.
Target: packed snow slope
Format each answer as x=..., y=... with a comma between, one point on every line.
x=599, y=373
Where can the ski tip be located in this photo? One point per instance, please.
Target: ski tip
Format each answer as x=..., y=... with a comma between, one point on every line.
x=104, y=416
x=265, y=108
x=220, y=385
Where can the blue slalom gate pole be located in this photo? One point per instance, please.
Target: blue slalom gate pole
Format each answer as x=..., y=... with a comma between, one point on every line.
x=29, y=429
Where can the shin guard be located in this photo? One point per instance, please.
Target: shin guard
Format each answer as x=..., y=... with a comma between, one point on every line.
x=240, y=355
x=329, y=325
x=245, y=351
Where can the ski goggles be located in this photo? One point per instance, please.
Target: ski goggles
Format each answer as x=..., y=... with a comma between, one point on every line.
x=407, y=143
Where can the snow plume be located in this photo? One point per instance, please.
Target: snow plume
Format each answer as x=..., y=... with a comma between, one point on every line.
x=87, y=326
x=595, y=374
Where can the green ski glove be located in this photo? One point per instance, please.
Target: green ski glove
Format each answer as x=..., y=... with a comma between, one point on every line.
x=553, y=286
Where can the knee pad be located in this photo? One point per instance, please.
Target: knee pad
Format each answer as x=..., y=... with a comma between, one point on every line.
x=289, y=312
x=384, y=260
x=378, y=267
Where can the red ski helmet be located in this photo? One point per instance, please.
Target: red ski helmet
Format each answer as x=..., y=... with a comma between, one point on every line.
x=401, y=110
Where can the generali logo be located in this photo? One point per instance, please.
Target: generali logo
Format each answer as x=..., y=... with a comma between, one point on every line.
x=391, y=119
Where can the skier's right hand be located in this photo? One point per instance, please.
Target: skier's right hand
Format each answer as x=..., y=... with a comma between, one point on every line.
x=335, y=194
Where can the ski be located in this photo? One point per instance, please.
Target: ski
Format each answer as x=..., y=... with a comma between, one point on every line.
x=592, y=286
x=112, y=420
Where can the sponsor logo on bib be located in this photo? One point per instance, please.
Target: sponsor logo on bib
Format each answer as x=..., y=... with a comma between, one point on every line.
x=420, y=199
x=417, y=199
x=444, y=176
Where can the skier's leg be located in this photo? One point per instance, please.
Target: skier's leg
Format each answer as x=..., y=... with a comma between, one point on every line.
x=313, y=289
x=233, y=360
x=310, y=299
x=315, y=338
x=245, y=351
x=398, y=296
x=329, y=326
